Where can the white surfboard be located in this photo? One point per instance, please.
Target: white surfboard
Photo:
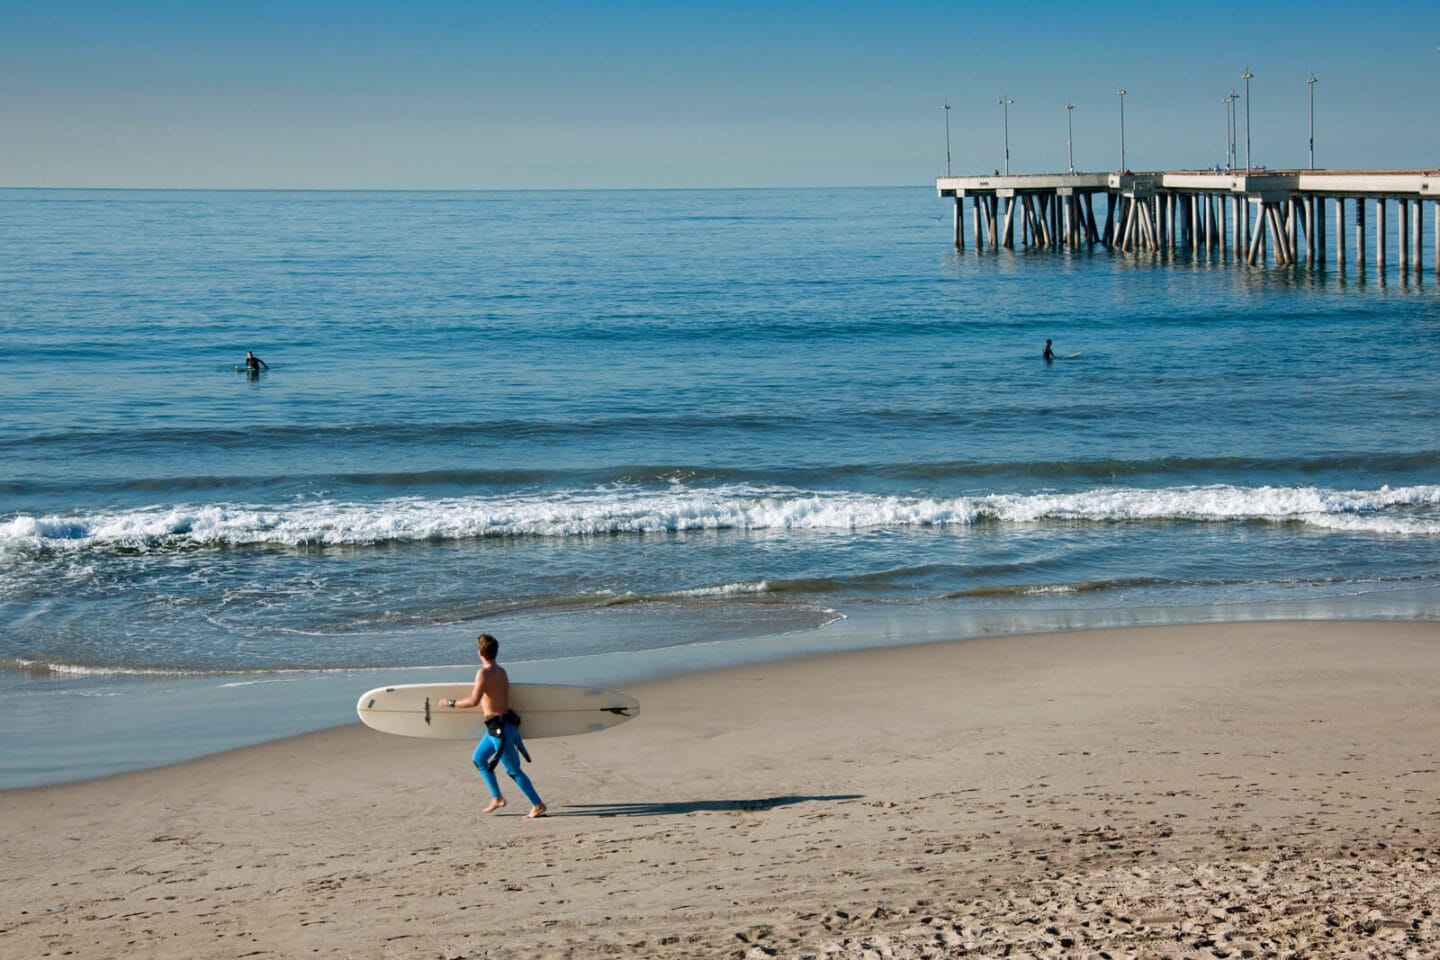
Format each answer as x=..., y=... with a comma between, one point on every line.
x=546, y=710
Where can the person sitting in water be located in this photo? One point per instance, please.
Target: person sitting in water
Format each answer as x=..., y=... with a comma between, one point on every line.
x=1049, y=353
x=254, y=363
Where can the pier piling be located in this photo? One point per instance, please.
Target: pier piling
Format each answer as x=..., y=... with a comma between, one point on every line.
x=1380, y=236
x=1360, y=237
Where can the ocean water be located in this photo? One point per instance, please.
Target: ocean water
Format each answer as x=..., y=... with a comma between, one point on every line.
x=638, y=432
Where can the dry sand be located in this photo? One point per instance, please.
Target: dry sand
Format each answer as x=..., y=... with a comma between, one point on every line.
x=1257, y=790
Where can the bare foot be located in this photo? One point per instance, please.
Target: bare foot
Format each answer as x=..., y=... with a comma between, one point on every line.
x=536, y=812
x=495, y=804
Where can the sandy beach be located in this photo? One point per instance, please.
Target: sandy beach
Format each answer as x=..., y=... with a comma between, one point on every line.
x=1247, y=790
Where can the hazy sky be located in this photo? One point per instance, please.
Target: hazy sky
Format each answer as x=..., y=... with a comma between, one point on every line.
x=623, y=93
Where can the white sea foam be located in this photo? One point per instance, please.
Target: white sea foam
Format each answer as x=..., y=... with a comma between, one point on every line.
x=621, y=511
x=727, y=590
x=60, y=668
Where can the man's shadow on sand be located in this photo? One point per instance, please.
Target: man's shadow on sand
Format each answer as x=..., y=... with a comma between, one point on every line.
x=691, y=806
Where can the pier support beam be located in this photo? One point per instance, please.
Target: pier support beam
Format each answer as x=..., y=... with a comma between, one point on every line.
x=1360, y=238
x=1244, y=229
x=1256, y=234
x=1205, y=222
x=1402, y=213
x=1221, y=208
x=1417, y=239
x=1309, y=205
x=1340, y=233
x=1380, y=237
x=1294, y=224
x=1279, y=232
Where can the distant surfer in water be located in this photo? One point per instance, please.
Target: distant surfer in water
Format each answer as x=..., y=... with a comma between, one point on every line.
x=501, y=744
x=254, y=363
x=1049, y=353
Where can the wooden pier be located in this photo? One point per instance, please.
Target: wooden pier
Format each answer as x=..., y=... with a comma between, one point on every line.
x=1276, y=217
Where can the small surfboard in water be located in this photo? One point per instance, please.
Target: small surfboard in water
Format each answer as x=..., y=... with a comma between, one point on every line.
x=546, y=710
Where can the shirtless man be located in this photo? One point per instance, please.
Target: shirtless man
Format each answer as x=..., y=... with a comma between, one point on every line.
x=492, y=694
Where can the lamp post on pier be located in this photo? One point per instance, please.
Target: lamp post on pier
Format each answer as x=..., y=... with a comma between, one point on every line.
x=947, y=138
x=1247, y=76
x=1229, y=101
x=1070, y=134
x=1310, y=82
x=1005, y=102
x=1121, y=94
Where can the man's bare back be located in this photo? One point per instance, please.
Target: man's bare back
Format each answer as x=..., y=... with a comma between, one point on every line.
x=492, y=690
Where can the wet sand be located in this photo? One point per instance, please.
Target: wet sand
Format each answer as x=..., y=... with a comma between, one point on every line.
x=1242, y=790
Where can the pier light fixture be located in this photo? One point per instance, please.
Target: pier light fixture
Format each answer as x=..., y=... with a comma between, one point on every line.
x=1121, y=94
x=1070, y=134
x=1229, y=101
x=1247, y=76
x=947, y=138
x=1310, y=82
x=1234, y=130
x=1005, y=102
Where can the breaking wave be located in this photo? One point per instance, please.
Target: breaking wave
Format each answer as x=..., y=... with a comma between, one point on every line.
x=620, y=511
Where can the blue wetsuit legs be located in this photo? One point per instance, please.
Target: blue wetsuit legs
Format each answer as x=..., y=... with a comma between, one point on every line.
x=509, y=759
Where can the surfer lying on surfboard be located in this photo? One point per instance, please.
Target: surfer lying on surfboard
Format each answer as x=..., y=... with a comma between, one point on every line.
x=501, y=743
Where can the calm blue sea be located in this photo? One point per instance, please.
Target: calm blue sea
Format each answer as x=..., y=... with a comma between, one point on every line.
x=638, y=432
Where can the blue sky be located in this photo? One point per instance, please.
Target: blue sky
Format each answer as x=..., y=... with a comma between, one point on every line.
x=558, y=94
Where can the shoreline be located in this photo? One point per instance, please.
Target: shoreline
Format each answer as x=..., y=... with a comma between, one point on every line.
x=1169, y=791
x=81, y=728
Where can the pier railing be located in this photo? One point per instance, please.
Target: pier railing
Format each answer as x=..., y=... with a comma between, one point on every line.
x=1260, y=216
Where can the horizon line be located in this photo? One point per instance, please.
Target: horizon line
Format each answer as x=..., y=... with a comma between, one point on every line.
x=113, y=189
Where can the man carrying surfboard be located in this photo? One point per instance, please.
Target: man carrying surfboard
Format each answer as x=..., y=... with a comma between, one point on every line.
x=501, y=742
